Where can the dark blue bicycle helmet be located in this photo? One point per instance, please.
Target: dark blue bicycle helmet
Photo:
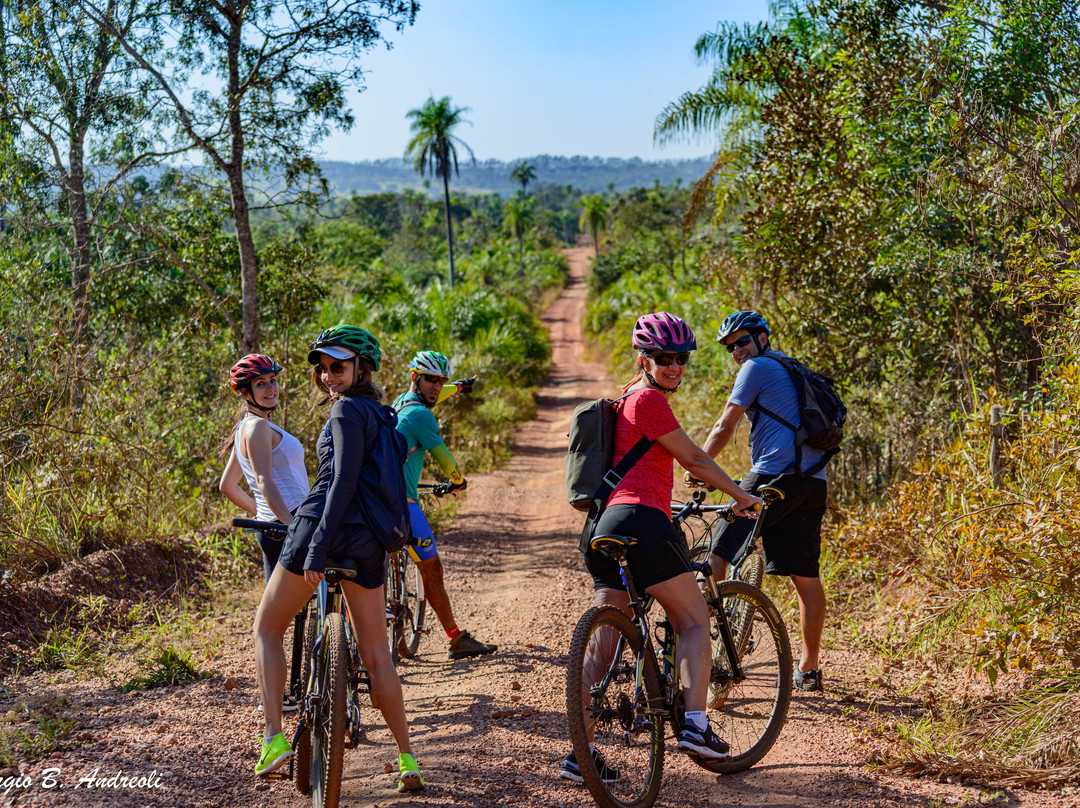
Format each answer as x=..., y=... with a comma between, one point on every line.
x=749, y=320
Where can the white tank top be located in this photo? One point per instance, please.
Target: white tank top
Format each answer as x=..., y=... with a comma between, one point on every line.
x=290, y=474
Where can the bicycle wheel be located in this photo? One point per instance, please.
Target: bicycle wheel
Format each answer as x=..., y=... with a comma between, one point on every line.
x=614, y=696
x=752, y=571
x=415, y=604
x=302, y=764
x=328, y=729
x=749, y=712
x=395, y=606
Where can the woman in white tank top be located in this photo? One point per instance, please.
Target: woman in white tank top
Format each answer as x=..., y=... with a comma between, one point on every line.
x=267, y=457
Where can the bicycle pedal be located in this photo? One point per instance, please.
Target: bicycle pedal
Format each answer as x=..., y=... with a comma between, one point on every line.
x=282, y=773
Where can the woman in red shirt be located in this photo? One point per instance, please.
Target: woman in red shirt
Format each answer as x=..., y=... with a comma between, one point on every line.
x=640, y=506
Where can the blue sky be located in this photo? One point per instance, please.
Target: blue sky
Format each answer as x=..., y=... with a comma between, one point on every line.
x=540, y=76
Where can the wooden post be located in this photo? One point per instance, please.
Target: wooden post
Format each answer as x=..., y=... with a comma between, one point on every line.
x=997, y=438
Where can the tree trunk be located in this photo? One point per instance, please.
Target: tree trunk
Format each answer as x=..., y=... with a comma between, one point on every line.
x=596, y=242
x=249, y=261
x=449, y=224
x=80, y=270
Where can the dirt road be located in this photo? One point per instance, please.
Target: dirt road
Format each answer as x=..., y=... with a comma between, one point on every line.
x=487, y=732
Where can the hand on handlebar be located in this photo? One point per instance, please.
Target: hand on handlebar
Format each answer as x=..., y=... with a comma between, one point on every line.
x=747, y=505
x=693, y=482
x=465, y=385
x=442, y=489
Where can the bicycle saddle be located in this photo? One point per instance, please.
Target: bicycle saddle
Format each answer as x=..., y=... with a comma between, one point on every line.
x=612, y=542
x=343, y=567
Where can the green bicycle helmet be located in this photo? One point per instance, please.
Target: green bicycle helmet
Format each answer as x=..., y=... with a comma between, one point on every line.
x=432, y=363
x=357, y=340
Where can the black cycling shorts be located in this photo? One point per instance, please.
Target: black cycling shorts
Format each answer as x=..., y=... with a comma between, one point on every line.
x=355, y=542
x=791, y=530
x=659, y=555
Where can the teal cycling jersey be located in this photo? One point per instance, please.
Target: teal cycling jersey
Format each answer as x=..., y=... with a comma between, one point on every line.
x=417, y=423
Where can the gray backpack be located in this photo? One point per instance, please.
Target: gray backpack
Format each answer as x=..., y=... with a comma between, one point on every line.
x=590, y=477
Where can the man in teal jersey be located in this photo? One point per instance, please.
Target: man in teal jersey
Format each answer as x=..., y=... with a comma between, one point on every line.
x=430, y=385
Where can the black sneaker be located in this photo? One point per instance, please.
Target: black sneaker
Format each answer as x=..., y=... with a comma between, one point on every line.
x=288, y=705
x=703, y=743
x=808, y=681
x=570, y=770
x=465, y=645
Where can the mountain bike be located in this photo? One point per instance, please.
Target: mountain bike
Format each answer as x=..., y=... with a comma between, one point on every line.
x=333, y=678
x=301, y=622
x=622, y=690
x=749, y=715
x=406, y=604
x=697, y=530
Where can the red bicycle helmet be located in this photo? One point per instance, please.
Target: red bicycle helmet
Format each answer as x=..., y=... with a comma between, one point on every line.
x=251, y=366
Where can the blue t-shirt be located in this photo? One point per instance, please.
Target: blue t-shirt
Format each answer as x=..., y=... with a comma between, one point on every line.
x=772, y=445
x=421, y=430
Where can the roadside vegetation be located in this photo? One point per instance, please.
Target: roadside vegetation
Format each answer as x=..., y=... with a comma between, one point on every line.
x=895, y=189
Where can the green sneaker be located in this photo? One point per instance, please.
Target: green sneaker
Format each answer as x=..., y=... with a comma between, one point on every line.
x=274, y=754
x=409, y=773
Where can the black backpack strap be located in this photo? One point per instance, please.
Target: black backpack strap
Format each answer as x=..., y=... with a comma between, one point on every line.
x=615, y=476
x=611, y=479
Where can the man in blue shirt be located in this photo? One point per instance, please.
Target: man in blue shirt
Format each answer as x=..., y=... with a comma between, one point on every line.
x=791, y=533
x=429, y=385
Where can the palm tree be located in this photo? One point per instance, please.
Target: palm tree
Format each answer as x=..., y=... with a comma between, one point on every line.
x=433, y=149
x=524, y=173
x=728, y=106
x=594, y=209
x=518, y=215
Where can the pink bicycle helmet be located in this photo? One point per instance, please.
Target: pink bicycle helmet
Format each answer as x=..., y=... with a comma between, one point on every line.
x=663, y=332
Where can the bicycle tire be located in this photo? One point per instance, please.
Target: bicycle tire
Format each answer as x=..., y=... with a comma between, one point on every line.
x=415, y=605
x=749, y=713
x=302, y=770
x=751, y=571
x=328, y=730
x=395, y=607
x=624, y=706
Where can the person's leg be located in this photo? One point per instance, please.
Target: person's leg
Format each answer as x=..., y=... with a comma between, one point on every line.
x=369, y=626
x=811, y=619
x=431, y=570
x=284, y=596
x=689, y=617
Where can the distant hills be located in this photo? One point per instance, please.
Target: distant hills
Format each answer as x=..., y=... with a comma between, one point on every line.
x=493, y=176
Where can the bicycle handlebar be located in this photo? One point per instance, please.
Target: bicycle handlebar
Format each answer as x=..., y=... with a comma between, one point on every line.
x=440, y=489
x=277, y=527
x=272, y=527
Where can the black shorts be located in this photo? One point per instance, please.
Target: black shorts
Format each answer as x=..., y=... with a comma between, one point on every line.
x=659, y=555
x=355, y=542
x=791, y=530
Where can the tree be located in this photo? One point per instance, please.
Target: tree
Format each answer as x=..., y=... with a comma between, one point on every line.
x=433, y=149
x=524, y=173
x=279, y=72
x=518, y=216
x=594, y=209
x=71, y=95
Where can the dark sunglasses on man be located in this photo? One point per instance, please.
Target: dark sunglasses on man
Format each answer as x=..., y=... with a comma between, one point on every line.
x=741, y=342
x=430, y=379
x=666, y=360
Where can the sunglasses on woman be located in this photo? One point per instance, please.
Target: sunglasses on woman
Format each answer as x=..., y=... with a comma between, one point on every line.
x=666, y=360
x=741, y=342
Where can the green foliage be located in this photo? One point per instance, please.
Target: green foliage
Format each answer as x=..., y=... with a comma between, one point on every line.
x=166, y=667
x=35, y=728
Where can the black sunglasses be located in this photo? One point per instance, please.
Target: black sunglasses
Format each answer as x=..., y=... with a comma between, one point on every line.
x=666, y=360
x=741, y=342
x=430, y=379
